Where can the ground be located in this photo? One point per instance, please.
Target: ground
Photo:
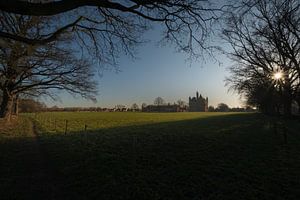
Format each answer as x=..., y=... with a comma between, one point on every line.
x=150, y=156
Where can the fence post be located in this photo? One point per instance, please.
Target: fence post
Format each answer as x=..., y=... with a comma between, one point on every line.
x=285, y=134
x=55, y=125
x=66, y=129
x=275, y=126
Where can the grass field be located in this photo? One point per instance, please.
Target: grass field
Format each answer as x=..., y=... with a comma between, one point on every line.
x=150, y=156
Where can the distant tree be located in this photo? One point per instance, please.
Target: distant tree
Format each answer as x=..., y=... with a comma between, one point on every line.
x=249, y=109
x=222, y=107
x=144, y=105
x=134, y=107
x=120, y=107
x=237, y=109
x=181, y=103
x=211, y=109
x=30, y=105
x=159, y=101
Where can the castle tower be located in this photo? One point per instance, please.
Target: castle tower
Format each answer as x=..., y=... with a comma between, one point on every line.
x=198, y=103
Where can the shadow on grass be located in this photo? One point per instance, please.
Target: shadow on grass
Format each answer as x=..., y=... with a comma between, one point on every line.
x=221, y=157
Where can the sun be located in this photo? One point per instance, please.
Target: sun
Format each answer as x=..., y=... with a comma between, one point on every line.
x=278, y=75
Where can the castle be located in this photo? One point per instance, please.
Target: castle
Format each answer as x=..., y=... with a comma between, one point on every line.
x=198, y=103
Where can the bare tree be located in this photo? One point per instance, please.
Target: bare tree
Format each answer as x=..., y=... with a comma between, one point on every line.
x=31, y=105
x=181, y=103
x=103, y=28
x=265, y=40
x=144, y=105
x=39, y=69
x=159, y=101
x=120, y=107
x=134, y=107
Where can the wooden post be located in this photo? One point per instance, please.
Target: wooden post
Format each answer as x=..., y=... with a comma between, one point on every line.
x=275, y=127
x=66, y=129
x=85, y=128
x=55, y=125
x=285, y=134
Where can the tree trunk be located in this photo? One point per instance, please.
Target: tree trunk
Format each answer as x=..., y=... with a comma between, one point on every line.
x=287, y=107
x=16, y=105
x=6, y=106
x=298, y=104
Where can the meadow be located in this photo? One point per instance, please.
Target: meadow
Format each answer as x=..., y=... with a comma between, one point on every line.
x=150, y=156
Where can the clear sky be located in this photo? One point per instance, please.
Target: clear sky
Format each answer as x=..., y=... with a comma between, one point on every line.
x=159, y=71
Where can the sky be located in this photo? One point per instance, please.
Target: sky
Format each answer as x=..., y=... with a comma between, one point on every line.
x=159, y=71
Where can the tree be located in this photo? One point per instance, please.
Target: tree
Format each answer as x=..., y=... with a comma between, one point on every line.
x=28, y=70
x=144, y=105
x=181, y=103
x=222, y=107
x=120, y=107
x=135, y=107
x=265, y=40
x=106, y=27
x=211, y=109
x=30, y=105
x=159, y=101
x=100, y=30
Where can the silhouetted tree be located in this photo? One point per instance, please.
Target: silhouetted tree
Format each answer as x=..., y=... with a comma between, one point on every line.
x=211, y=109
x=265, y=40
x=181, y=103
x=41, y=69
x=222, y=107
x=30, y=105
x=134, y=107
x=144, y=105
x=106, y=27
x=159, y=101
x=120, y=107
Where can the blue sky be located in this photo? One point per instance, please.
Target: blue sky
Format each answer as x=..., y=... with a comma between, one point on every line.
x=159, y=71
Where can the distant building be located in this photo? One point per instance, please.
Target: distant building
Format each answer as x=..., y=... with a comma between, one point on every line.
x=198, y=103
x=163, y=108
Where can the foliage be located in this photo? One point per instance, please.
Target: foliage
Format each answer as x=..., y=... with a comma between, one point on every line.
x=211, y=109
x=222, y=107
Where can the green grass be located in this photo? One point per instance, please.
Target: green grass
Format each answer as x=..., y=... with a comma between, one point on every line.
x=15, y=129
x=153, y=156
x=55, y=123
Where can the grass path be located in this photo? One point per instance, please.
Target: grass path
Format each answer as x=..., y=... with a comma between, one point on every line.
x=26, y=172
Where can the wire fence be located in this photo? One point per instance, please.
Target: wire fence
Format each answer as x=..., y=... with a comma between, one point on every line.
x=51, y=124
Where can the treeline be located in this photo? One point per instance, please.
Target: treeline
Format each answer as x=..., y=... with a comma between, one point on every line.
x=31, y=105
x=222, y=107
